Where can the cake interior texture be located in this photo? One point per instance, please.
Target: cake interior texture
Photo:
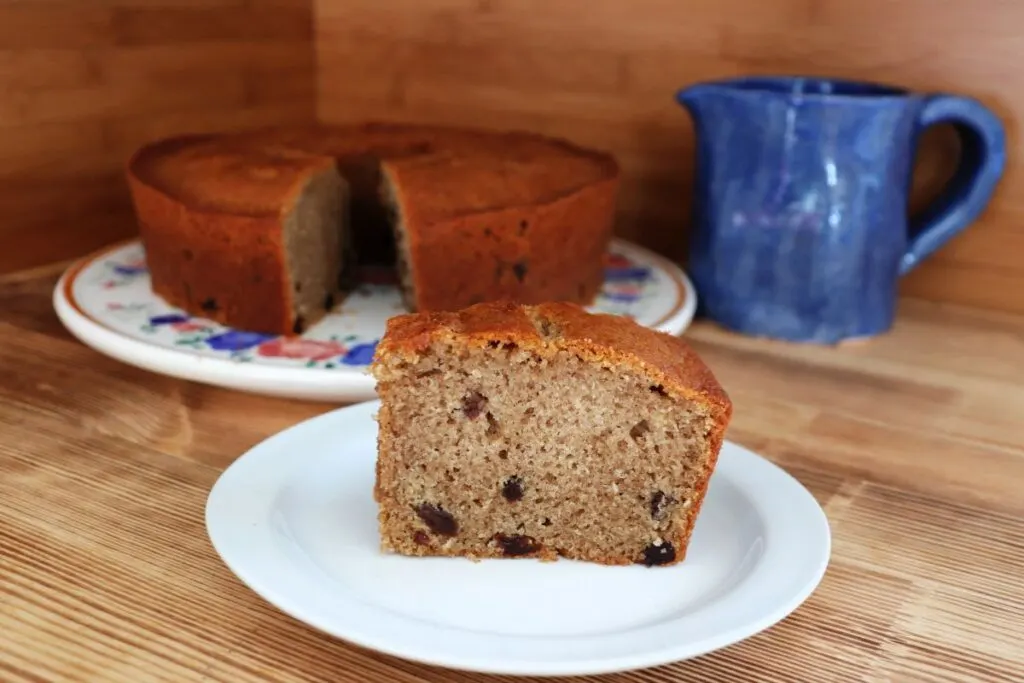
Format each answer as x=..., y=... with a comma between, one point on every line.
x=505, y=449
x=399, y=247
x=316, y=231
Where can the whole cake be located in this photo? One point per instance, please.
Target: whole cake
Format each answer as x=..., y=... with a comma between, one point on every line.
x=542, y=431
x=267, y=230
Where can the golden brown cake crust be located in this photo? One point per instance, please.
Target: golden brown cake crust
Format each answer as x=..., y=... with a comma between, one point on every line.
x=530, y=254
x=601, y=338
x=489, y=215
x=547, y=330
x=220, y=175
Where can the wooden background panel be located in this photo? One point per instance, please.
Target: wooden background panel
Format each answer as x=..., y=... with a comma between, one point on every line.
x=82, y=84
x=603, y=72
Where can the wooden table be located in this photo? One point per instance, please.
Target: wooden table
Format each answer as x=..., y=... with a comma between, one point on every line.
x=913, y=443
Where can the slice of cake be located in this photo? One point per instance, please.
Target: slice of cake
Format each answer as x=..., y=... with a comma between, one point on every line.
x=542, y=431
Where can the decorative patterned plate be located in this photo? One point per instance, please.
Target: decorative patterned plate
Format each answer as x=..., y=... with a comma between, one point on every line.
x=105, y=300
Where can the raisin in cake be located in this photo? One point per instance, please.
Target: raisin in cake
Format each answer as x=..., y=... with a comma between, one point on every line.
x=247, y=228
x=508, y=430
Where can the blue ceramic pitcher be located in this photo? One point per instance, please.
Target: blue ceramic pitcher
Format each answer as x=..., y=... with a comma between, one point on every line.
x=801, y=227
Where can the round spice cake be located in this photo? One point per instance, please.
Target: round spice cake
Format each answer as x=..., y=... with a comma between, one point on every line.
x=267, y=230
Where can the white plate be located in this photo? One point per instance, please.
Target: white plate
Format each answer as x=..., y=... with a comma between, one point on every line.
x=295, y=520
x=106, y=301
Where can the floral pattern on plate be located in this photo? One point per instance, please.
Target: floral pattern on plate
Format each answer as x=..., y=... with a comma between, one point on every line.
x=114, y=291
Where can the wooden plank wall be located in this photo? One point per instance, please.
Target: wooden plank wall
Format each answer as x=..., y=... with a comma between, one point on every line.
x=603, y=72
x=83, y=82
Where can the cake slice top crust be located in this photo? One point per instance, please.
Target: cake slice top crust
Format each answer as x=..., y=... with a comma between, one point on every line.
x=404, y=140
x=256, y=172
x=498, y=175
x=207, y=173
x=673, y=368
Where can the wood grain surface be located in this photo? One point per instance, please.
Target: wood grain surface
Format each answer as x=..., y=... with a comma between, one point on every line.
x=82, y=84
x=604, y=73
x=912, y=443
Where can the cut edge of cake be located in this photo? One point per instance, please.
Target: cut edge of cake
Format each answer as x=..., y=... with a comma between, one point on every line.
x=317, y=246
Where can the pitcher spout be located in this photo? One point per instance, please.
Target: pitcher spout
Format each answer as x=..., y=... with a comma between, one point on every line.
x=693, y=97
x=702, y=101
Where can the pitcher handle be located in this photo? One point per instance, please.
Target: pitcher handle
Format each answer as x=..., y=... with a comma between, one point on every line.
x=982, y=159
